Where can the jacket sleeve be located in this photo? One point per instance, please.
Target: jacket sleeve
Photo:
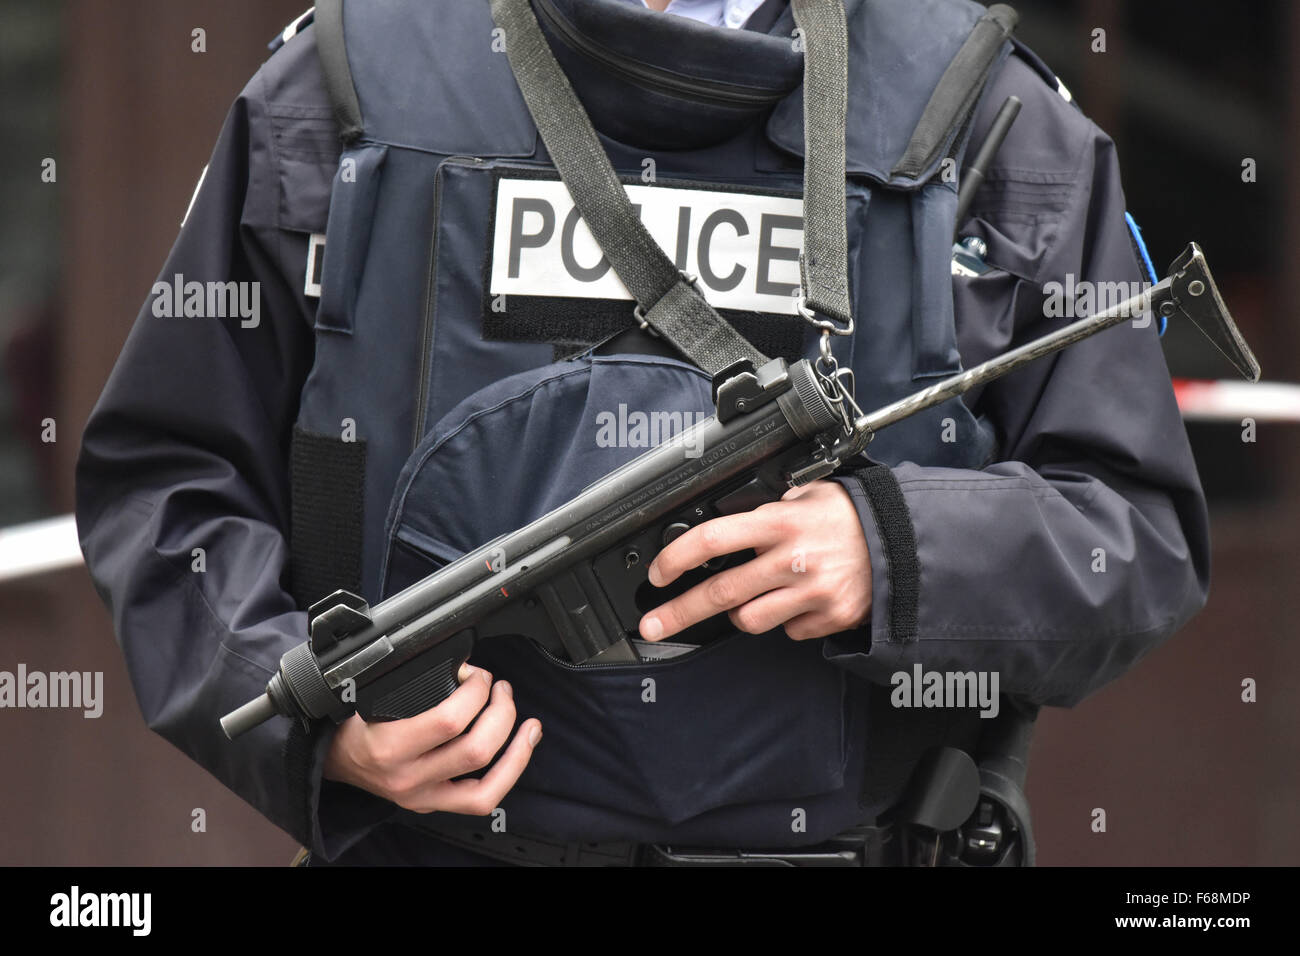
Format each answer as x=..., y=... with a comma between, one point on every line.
x=182, y=492
x=1086, y=544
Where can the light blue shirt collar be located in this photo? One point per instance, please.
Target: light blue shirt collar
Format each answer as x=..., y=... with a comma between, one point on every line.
x=716, y=13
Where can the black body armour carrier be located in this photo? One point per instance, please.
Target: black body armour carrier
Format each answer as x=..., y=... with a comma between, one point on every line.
x=455, y=394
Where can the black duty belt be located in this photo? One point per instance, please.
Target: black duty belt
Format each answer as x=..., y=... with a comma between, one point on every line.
x=864, y=845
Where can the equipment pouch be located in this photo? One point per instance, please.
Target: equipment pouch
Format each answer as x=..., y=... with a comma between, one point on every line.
x=745, y=719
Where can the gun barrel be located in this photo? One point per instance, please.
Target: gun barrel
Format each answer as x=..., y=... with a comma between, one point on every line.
x=963, y=382
x=241, y=721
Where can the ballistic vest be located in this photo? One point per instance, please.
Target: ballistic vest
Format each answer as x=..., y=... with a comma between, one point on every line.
x=455, y=396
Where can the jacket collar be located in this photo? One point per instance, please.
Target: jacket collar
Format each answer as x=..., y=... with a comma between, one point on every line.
x=898, y=50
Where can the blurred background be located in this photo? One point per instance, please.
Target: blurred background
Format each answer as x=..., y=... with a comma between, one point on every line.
x=1186, y=771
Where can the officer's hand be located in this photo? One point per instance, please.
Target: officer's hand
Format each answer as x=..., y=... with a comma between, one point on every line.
x=812, y=571
x=412, y=762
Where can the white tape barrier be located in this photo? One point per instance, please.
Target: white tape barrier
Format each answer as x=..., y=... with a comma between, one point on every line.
x=37, y=547
x=40, y=546
x=1231, y=401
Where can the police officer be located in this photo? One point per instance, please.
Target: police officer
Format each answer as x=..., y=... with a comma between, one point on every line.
x=434, y=339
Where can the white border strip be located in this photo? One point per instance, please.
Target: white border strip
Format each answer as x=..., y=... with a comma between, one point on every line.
x=51, y=544
x=39, y=546
x=1231, y=401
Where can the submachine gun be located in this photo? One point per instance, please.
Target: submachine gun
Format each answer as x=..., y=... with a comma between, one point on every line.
x=570, y=580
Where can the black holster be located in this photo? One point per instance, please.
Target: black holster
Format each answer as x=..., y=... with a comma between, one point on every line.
x=961, y=810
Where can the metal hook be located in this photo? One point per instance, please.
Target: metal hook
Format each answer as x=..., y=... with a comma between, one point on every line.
x=827, y=326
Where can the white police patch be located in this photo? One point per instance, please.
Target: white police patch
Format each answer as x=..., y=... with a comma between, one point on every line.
x=744, y=247
x=315, y=265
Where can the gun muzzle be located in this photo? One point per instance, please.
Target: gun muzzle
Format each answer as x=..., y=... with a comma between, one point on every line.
x=255, y=712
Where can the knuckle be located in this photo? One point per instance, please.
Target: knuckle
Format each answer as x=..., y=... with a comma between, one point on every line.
x=401, y=787
x=711, y=536
x=383, y=754
x=446, y=724
x=851, y=616
x=666, y=561
x=748, y=620
x=480, y=804
x=822, y=594
x=478, y=752
x=798, y=632
x=721, y=590
x=784, y=521
x=775, y=514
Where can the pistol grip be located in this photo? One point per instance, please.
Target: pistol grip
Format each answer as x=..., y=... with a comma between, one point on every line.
x=420, y=684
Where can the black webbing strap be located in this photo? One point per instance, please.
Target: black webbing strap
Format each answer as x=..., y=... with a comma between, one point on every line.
x=958, y=89
x=332, y=50
x=668, y=302
x=823, y=263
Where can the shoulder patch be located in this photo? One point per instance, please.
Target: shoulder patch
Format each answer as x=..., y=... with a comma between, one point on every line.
x=1143, y=256
x=296, y=26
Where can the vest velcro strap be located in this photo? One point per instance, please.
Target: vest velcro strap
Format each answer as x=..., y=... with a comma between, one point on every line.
x=959, y=87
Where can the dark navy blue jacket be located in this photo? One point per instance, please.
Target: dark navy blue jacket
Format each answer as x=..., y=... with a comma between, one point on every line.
x=990, y=568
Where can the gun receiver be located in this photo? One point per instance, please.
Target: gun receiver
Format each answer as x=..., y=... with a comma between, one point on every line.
x=575, y=579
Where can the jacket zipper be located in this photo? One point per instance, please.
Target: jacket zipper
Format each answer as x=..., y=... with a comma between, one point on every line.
x=431, y=298
x=569, y=665
x=702, y=90
x=645, y=662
